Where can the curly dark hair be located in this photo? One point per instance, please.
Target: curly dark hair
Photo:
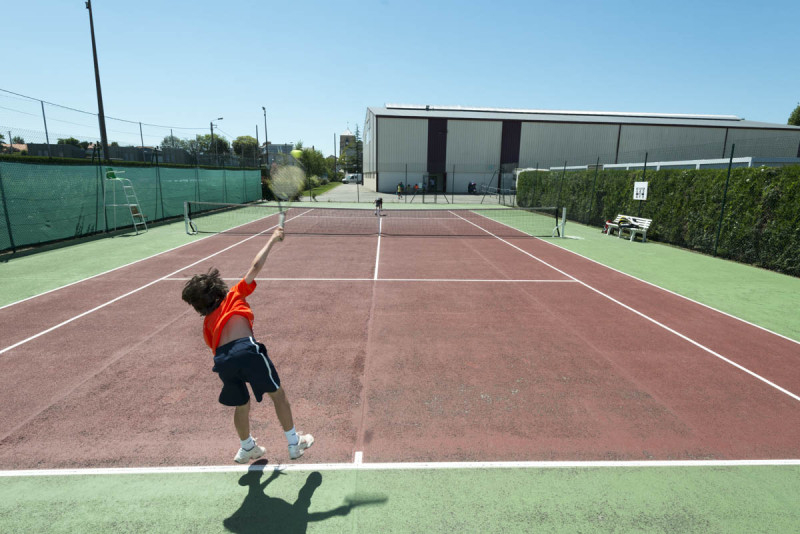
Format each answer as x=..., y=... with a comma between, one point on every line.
x=205, y=291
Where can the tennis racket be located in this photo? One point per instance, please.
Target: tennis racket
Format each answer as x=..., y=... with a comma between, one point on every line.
x=286, y=183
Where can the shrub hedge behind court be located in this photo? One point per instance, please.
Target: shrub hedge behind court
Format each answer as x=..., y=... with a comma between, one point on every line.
x=760, y=224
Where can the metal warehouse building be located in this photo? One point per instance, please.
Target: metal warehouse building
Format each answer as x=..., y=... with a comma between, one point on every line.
x=446, y=148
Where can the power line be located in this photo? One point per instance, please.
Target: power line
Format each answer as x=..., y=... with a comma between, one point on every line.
x=95, y=114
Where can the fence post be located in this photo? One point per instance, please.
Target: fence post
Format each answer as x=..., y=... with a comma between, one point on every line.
x=561, y=185
x=643, y=175
x=196, y=179
x=224, y=182
x=5, y=212
x=46, y=135
x=594, y=185
x=99, y=190
x=724, y=196
x=141, y=136
x=159, y=190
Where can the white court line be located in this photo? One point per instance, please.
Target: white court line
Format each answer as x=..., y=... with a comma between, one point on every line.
x=554, y=244
x=127, y=264
x=76, y=317
x=104, y=272
x=647, y=317
x=395, y=467
x=443, y=280
x=378, y=253
x=674, y=293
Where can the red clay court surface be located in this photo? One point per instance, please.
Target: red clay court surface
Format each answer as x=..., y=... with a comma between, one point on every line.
x=406, y=349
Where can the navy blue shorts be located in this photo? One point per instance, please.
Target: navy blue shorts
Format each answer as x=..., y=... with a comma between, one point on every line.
x=242, y=361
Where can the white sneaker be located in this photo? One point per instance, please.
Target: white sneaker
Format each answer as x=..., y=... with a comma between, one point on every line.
x=296, y=451
x=243, y=456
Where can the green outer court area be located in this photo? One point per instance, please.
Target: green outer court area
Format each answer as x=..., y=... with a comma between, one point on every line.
x=434, y=498
x=618, y=499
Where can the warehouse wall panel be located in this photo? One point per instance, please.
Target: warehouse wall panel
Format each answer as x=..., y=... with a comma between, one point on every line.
x=550, y=144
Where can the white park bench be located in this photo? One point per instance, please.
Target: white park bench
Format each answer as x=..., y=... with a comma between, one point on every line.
x=638, y=225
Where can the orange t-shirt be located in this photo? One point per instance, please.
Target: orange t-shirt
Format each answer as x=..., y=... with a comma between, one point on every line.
x=234, y=304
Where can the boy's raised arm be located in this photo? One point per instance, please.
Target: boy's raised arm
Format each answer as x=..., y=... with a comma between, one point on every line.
x=261, y=257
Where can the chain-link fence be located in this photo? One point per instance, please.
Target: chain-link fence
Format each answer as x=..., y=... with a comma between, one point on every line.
x=37, y=128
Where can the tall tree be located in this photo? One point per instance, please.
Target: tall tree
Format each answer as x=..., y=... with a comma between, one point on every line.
x=69, y=141
x=794, y=118
x=220, y=143
x=314, y=162
x=245, y=147
x=172, y=142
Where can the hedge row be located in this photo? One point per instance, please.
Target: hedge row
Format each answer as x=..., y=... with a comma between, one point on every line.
x=760, y=224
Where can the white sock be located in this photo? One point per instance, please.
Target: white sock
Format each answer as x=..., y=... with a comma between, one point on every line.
x=292, y=437
x=248, y=443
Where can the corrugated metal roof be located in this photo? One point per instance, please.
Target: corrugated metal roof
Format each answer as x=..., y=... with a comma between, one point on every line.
x=598, y=117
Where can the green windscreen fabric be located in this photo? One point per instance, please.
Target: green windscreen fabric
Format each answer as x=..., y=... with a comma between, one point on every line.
x=48, y=202
x=43, y=203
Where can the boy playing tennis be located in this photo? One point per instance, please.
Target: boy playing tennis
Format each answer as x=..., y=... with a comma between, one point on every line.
x=238, y=358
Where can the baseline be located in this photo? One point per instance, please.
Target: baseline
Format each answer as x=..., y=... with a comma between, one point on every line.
x=389, y=466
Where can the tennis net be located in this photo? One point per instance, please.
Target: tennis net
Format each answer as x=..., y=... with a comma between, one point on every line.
x=248, y=219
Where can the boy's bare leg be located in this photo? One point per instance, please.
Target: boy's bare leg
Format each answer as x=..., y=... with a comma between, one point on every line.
x=282, y=409
x=241, y=420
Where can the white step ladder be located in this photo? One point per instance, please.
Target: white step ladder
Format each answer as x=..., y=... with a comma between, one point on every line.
x=131, y=200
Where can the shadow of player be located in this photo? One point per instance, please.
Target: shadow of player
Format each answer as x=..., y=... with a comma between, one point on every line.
x=260, y=513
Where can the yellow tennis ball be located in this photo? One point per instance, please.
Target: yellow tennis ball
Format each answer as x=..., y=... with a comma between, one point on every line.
x=296, y=153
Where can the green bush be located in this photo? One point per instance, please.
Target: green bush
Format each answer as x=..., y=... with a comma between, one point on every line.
x=760, y=224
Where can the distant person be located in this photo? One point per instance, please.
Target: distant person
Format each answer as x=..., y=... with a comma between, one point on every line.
x=416, y=188
x=378, y=206
x=400, y=191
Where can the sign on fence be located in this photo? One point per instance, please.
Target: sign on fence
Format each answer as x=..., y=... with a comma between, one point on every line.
x=640, y=191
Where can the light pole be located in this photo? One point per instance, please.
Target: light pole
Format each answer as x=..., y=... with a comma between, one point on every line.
x=212, y=140
x=101, y=117
x=266, y=136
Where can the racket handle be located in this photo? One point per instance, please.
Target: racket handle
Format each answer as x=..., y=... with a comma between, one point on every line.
x=281, y=219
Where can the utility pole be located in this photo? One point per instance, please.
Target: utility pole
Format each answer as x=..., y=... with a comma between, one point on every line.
x=211, y=124
x=100, y=113
x=266, y=135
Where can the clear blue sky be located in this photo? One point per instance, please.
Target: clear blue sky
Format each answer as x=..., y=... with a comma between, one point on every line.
x=317, y=65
